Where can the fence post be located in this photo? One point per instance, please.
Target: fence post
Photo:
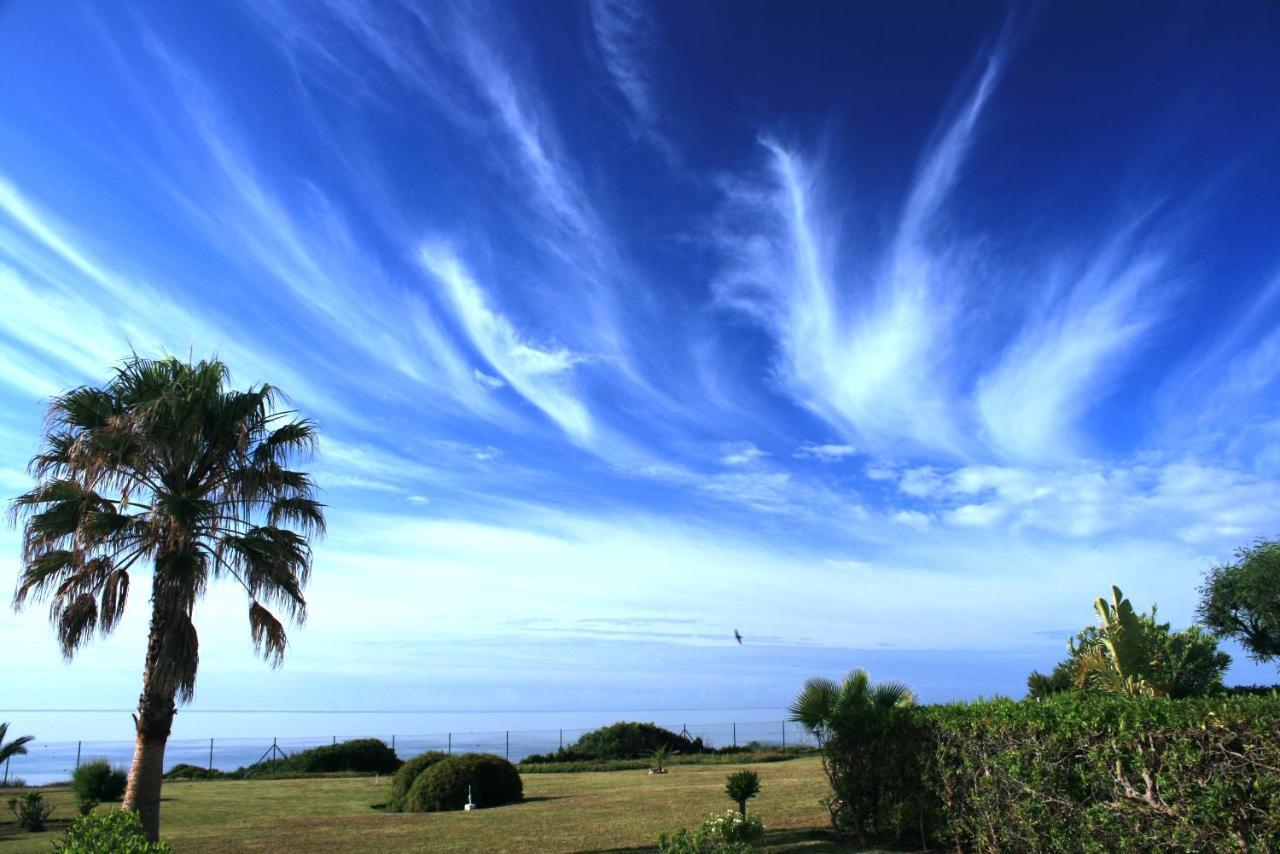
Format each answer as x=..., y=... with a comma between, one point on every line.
x=508, y=745
x=78, y=743
x=6, y=770
x=735, y=733
x=393, y=742
x=784, y=736
x=562, y=739
x=449, y=749
x=211, y=754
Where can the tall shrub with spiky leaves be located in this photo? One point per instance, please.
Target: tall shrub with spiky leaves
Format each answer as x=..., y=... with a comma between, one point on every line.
x=165, y=465
x=1126, y=661
x=826, y=708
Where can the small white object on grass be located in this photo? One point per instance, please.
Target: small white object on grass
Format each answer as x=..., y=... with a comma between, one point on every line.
x=470, y=805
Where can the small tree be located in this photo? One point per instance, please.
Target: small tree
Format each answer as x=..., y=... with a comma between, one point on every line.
x=742, y=787
x=1241, y=600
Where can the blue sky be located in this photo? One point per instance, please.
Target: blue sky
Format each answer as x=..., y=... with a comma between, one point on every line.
x=890, y=335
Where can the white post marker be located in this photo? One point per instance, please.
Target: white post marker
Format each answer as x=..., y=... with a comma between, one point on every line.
x=470, y=805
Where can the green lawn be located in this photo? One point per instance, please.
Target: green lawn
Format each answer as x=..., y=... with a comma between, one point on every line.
x=592, y=811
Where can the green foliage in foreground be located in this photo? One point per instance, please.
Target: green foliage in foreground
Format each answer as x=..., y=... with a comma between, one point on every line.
x=1069, y=773
x=111, y=831
x=723, y=833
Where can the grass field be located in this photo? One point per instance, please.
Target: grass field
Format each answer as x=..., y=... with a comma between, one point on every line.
x=593, y=811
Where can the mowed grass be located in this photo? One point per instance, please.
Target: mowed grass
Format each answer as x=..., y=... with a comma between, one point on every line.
x=589, y=811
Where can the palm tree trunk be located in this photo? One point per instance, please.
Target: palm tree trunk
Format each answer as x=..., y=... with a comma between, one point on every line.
x=154, y=720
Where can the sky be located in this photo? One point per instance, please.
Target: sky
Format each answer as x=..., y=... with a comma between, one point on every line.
x=890, y=335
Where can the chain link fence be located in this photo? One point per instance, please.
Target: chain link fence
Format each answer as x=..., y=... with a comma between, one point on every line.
x=55, y=761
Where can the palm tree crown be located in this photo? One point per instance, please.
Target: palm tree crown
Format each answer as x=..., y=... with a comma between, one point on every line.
x=17, y=747
x=165, y=464
x=826, y=707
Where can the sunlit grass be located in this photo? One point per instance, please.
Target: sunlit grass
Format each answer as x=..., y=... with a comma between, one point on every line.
x=598, y=811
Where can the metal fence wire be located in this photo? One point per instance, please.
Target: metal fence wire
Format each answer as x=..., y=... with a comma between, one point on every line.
x=47, y=762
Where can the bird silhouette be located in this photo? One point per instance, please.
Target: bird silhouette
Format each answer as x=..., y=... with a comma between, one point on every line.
x=738, y=636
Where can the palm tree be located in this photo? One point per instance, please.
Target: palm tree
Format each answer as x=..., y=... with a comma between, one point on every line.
x=17, y=747
x=826, y=708
x=165, y=464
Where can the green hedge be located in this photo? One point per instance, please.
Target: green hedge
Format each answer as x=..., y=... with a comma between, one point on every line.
x=1065, y=774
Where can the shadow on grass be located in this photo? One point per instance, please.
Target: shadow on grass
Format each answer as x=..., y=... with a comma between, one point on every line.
x=533, y=800
x=776, y=842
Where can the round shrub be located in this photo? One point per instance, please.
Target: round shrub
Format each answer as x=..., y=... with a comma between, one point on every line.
x=98, y=781
x=443, y=786
x=109, y=832
x=409, y=771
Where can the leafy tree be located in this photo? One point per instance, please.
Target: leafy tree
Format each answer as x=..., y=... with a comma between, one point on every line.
x=825, y=708
x=1155, y=660
x=1241, y=600
x=165, y=464
x=1061, y=678
x=17, y=747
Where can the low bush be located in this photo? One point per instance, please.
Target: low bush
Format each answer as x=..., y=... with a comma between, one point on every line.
x=409, y=771
x=623, y=740
x=30, y=810
x=97, y=781
x=1069, y=772
x=185, y=771
x=108, y=832
x=492, y=780
x=723, y=833
x=368, y=755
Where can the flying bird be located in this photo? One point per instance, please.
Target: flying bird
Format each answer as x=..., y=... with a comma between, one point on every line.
x=738, y=636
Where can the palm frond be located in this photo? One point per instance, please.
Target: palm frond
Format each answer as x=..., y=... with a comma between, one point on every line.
x=76, y=620
x=269, y=639
x=814, y=705
x=166, y=463
x=17, y=747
